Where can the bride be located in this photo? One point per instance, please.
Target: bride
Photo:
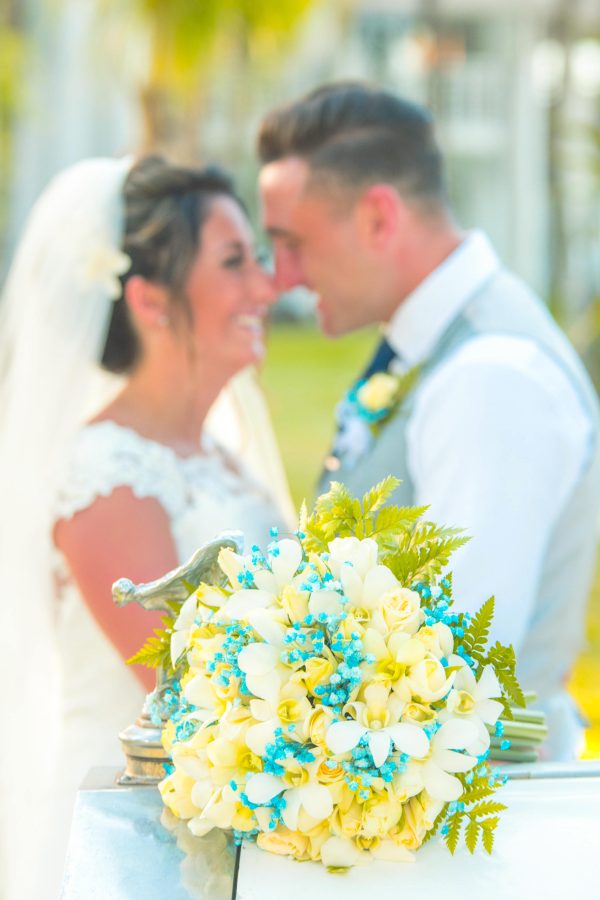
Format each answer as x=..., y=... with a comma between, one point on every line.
x=148, y=269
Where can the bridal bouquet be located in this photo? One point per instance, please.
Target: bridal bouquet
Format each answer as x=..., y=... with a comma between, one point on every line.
x=326, y=702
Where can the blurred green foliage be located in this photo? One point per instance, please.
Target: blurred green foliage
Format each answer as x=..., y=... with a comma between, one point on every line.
x=12, y=48
x=190, y=41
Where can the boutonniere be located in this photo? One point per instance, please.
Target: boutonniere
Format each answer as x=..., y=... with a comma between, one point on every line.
x=364, y=409
x=376, y=399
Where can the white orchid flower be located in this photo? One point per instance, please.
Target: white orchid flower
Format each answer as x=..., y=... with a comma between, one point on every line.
x=342, y=853
x=260, y=664
x=435, y=774
x=206, y=695
x=196, y=608
x=244, y=602
x=471, y=701
x=378, y=720
x=394, y=656
x=366, y=593
x=354, y=563
x=315, y=799
x=285, y=557
x=361, y=555
x=102, y=268
x=325, y=601
x=181, y=629
x=291, y=706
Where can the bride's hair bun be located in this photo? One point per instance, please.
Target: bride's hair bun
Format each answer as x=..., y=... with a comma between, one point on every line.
x=166, y=206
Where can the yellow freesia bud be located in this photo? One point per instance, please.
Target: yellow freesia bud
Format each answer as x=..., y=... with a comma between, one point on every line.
x=366, y=843
x=295, y=774
x=418, y=714
x=315, y=727
x=295, y=603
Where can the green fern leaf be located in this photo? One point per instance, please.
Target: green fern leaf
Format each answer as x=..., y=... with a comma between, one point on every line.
x=477, y=792
x=476, y=636
x=155, y=653
x=503, y=660
x=471, y=835
x=487, y=837
x=377, y=496
x=452, y=836
x=486, y=808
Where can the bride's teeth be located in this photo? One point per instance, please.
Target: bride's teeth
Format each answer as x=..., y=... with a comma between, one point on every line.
x=252, y=323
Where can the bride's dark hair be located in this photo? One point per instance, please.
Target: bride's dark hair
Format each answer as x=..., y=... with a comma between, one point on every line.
x=166, y=206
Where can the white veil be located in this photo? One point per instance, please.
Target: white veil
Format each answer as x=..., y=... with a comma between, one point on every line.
x=54, y=317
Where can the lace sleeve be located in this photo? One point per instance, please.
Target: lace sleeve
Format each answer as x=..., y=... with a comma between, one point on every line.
x=107, y=456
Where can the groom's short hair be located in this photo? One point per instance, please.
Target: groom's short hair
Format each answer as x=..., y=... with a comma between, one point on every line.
x=357, y=134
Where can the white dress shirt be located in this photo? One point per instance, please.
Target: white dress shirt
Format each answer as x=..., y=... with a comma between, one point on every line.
x=496, y=442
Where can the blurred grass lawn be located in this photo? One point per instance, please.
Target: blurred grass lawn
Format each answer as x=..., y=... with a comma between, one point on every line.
x=304, y=377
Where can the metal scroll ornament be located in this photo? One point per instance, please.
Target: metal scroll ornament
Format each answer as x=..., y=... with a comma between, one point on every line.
x=141, y=742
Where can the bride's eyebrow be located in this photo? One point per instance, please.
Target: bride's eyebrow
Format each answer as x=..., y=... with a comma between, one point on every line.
x=234, y=246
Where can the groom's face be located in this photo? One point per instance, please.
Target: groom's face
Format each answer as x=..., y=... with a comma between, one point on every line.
x=318, y=243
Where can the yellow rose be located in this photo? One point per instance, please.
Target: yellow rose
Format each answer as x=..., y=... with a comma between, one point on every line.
x=437, y=639
x=428, y=681
x=168, y=736
x=399, y=610
x=378, y=392
x=203, y=644
x=176, y=792
x=317, y=670
x=346, y=823
x=419, y=815
x=316, y=838
x=284, y=842
x=328, y=774
x=379, y=815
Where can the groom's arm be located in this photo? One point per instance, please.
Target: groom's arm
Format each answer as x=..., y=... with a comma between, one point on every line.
x=496, y=444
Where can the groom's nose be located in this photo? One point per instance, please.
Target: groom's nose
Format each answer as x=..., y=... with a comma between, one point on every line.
x=288, y=269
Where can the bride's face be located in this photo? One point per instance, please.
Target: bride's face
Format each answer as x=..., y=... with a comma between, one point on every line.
x=227, y=291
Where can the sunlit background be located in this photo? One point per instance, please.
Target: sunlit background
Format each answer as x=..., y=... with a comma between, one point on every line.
x=514, y=86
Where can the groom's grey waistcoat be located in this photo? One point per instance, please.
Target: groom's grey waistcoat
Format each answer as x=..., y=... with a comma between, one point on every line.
x=505, y=306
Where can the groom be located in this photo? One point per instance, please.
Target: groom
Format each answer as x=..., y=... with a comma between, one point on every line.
x=474, y=397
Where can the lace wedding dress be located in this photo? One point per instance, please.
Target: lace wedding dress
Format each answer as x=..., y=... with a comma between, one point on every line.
x=99, y=696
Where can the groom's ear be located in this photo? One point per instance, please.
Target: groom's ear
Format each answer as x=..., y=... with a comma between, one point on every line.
x=380, y=215
x=148, y=302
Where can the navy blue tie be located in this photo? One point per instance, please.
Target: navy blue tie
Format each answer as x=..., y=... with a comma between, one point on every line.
x=382, y=357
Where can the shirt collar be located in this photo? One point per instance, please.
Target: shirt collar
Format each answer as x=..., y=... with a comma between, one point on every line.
x=422, y=318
